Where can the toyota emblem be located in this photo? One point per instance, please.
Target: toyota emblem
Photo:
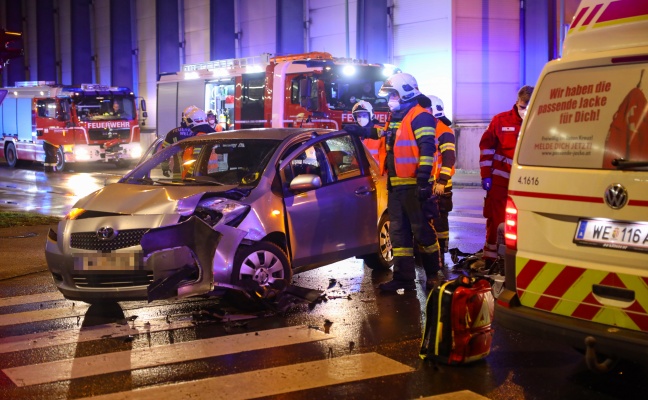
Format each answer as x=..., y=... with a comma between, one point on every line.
x=106, y=233
x=616, y=196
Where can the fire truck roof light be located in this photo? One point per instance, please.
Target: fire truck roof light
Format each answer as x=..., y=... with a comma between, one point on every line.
x=348, y=70
x=34, y=83
x=191, y=75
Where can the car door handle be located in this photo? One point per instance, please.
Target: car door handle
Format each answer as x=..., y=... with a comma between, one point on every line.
x=363, y=190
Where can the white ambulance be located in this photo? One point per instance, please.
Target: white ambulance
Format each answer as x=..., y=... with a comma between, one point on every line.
x=577, y=215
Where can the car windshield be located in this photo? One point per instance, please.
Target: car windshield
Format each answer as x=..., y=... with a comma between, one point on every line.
x=210, y=161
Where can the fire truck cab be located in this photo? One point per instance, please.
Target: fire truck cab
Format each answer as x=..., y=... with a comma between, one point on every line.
x=87, y=123
x=302, y=90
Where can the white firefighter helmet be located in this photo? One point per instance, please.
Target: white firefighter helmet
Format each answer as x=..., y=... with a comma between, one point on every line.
x=404, y=84
x=361, y=107
x=436, y=108
x=194, y=116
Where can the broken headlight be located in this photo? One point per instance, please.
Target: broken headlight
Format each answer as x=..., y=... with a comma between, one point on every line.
x=221, y=211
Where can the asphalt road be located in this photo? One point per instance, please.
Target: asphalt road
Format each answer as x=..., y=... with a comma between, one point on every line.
x=349, y=342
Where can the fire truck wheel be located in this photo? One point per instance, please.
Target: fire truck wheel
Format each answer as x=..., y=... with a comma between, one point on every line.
x=383, y=258
x=10, y=155
x=60, y=160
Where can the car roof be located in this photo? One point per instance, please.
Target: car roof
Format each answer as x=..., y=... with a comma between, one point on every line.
x=259, y=133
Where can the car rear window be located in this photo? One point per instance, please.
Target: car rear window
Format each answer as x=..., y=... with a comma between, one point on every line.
x=587, y=118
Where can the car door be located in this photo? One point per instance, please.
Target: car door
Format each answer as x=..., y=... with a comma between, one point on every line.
x=336, y=218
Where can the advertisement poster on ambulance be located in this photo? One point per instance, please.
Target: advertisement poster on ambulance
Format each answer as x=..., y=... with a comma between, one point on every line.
x=587, y=118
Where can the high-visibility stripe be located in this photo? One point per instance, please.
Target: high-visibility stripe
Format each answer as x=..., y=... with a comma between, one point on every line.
x=160, y=355
x=275, y=381
x=568, y=290
x=403, y=251
x=486, y=152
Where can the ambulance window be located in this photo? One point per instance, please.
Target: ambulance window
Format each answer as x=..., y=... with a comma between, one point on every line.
x=587, y=118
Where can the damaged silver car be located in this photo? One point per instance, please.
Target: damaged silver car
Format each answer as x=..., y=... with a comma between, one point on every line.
x=238, y=210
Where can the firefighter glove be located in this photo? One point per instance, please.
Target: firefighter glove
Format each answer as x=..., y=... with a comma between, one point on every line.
x=166, y=172
x=486, y=183
x=423, y=191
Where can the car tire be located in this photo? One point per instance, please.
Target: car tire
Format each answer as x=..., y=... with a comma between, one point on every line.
x=262, y=264
x=11, y=155
x=383, y=259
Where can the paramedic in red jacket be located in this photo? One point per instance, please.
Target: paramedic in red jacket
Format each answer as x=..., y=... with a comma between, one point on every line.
x=496, y=147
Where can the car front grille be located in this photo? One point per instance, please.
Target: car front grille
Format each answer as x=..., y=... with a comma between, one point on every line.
x=110, y=280
x=90, y=240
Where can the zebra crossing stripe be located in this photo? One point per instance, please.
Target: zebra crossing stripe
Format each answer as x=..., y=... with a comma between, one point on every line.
x=85, y=334
x=274, y=381
x=468, y=220
x=160, y=355
x=32, y=298
x=43, y=315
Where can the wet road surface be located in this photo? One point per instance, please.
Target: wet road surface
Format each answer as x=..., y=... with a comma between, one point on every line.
x=350, y=342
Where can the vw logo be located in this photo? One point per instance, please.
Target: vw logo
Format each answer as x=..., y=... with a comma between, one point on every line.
x=106, y=233
x=616, y=196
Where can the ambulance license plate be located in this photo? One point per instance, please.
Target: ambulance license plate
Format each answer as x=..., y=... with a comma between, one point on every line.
x=612, y=234
x=108, y=262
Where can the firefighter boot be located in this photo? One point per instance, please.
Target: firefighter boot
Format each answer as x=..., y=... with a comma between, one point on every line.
x=432, y=266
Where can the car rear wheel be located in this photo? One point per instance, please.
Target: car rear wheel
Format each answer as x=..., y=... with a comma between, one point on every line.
x=383, y=258
x=263, y=264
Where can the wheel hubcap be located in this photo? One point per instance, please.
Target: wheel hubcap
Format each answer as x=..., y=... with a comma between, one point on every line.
x=385, y=243
x=263, y=267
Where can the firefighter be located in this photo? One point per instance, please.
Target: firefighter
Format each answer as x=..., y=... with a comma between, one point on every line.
x=444, y=168
x=117, y=110
x=363, y=115
x=496, y=147
x=211, y=118
x=410, y=146
x=51, y=155
x=194, y=122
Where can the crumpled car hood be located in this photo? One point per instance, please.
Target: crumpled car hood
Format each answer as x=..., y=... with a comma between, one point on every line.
x=139, y=199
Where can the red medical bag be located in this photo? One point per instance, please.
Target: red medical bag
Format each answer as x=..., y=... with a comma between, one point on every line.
x=458, y=321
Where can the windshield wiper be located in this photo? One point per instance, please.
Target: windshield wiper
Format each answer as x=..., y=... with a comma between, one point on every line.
x=147, y=181
x=621, y=163
x=203, y=180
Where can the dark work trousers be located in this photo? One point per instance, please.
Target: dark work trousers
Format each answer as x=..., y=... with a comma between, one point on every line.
x=441, y=225
x=50, y=155
x=406, y=223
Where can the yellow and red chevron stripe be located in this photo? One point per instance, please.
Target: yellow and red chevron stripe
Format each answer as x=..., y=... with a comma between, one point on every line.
x=567, y=290
x=607, y=13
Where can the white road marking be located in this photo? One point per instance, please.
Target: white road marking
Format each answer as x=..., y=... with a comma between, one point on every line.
x=274, y=381
x=57, y=338
x=78, y=310
x=469, y=220
x=160, y=355
x=32, y=298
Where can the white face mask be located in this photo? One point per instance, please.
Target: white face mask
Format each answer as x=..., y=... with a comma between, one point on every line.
x=394, y=104
x=522, y=112
x=363, y=121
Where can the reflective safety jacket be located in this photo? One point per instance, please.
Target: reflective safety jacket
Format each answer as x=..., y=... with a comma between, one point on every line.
x=414, y=147
x=444, y=164
x=497, y=146
x=378, y=151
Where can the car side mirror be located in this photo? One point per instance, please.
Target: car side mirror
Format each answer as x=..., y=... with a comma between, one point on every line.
x=304, y=182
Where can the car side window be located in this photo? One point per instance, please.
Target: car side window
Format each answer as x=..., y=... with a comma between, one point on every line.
x=312, y=161
x=343, y=158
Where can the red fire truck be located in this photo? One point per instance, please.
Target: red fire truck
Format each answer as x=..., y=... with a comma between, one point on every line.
x=302, y=90
x=88, y=122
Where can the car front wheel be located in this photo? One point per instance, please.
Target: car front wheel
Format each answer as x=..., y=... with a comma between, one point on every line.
x=383, y=258
x=262, y=264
